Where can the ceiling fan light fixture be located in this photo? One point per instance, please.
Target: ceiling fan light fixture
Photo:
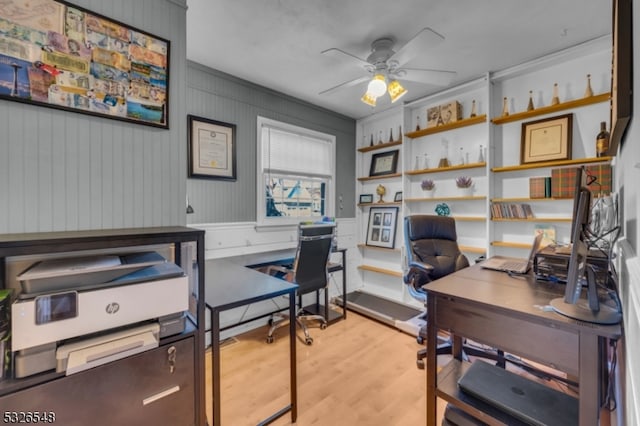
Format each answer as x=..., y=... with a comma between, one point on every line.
x=396, y=91
x=377, y=85
x=369, y=99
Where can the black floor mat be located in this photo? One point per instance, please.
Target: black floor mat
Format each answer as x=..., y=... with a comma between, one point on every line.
x=379, y=308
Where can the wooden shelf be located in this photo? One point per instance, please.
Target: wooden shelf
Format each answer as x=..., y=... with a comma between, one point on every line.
x=535, y=219
x=469, y=198
x=510, y=244
x=364, y=246
x=604, y=97
x=445, y=127
x=577, y=161
x=471, y=249
x=470, y=218
x=380, y=270
x=390, y=203
x=391, y=176
x=446, y=169
x=526, y=200
x=379, y=146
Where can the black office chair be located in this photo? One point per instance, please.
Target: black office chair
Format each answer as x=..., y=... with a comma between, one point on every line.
x=309, y=271
x=432, y=252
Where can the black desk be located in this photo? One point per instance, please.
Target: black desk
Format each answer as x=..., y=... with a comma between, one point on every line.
x=227, y=286
x=504, y=312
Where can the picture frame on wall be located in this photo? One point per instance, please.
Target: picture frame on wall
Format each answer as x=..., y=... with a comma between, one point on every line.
x=397, y=197
x=548, y=139
x=66, y=57
x=381, y=230
x=212, y=149
x=384, y=163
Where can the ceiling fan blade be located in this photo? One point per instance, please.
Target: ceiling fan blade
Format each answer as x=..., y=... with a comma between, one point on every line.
x=425, y=39
x=345, y=85
x=435, y=77
x=345, y=56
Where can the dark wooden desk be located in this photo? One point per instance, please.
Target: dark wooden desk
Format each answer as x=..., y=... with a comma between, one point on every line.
x=504, y=312
x=229, y=285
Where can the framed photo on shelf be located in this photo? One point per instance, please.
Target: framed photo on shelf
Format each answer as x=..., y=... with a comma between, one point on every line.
x=366, y=198
x=381, y=231
x=384, y=163
x=398, y=197
x=548, y=139
x=212, y=149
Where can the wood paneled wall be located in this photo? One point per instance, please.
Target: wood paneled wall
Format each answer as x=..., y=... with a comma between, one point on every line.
x=219, y=96
x=63, y=170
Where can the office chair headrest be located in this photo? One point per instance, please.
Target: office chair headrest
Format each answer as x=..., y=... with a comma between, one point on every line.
x=421, y=227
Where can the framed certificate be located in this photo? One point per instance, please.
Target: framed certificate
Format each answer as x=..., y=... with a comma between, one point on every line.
x=384, y=163
x=212, y=149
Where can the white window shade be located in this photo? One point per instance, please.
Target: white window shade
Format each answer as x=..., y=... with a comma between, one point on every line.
x=296, y=154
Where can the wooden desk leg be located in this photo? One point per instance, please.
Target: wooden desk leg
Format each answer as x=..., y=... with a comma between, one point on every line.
x=292, y=357
x=215, y=366
x=589, y=379
x=431, y=361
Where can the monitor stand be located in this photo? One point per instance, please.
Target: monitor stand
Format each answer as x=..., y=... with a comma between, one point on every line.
x=589, y=310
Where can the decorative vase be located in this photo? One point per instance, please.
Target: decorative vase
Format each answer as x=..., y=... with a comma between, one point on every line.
x=466, y=192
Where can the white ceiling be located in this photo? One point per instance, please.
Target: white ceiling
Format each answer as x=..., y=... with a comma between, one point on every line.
x=278, y=43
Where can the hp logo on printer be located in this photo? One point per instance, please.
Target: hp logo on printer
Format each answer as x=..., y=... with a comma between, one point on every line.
x=112, y=308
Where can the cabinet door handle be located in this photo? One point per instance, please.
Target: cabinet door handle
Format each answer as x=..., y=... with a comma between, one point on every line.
x=160, y=395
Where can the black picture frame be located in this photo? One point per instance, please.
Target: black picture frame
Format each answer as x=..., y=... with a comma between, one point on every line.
x=381, y=230
x=397, y=197
x=384, y=163
x=366, y=199
x=212, y=148
x=621, y=107
x=67, y=57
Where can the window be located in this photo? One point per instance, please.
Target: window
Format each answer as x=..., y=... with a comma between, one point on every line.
x=296, y=169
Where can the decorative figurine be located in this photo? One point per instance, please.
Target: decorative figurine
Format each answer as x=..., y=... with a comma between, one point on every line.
x=381, y=190
x=588, y=91
x=530, y=106
x=555, y=100
x=473, y=109
x=505, y=107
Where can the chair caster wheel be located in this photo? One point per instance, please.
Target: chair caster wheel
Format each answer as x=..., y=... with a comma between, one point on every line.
x=420, y=340
x=323, y=326
x=308, y=341
x=269, y=339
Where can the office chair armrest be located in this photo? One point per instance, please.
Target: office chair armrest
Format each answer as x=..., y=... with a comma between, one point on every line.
x=418, y=273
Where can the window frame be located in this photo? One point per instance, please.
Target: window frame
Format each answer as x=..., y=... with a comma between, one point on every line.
x=330, y=181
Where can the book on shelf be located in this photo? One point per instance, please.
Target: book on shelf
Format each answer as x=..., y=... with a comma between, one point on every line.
x=540, y=187
x=511, y=211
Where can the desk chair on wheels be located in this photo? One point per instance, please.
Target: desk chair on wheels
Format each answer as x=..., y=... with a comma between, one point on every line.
x=309, y=272
x=432, y=252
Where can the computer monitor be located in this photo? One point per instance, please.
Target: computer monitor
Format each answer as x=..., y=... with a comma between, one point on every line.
x=572, y=305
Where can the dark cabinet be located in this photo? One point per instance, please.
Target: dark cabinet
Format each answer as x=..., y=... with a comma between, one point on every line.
x=161, y=386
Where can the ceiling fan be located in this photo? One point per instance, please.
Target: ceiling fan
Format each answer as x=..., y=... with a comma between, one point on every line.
x=384, y=67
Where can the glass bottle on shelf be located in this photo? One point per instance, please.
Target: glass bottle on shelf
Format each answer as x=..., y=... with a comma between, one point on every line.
x=588, y=91
x=466, y=158
x=391, y=135
x=555, y=100
x=481, y=158
x=602, y=140
x=461, y=157
x=473, y=109
x=530, y=106
x=379, y=137
x=416, y=166
x=444, y=161
x=399, y=133
x=417, y=123
x=425, y=164
x=505, y=107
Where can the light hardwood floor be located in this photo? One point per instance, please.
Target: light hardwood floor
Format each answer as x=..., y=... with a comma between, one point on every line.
x=357, y=372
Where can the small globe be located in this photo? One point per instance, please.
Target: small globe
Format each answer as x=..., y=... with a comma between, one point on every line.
x=381, y=190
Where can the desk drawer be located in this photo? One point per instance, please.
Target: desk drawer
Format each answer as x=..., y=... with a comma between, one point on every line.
x=536, y=341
